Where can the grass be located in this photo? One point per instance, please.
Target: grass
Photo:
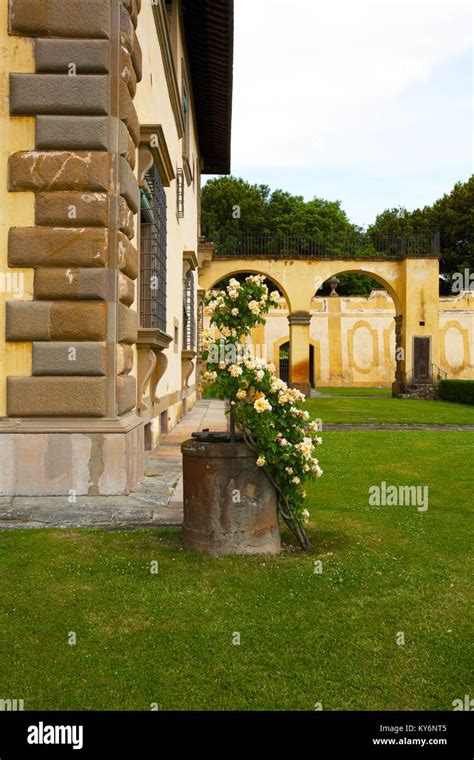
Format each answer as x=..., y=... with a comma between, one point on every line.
x=305, y=638
x=389, y=410
x=384, y=392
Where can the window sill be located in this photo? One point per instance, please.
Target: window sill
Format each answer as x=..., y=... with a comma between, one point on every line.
x=152, y=337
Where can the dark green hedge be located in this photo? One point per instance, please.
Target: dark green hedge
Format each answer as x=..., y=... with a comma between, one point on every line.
x=461, y=391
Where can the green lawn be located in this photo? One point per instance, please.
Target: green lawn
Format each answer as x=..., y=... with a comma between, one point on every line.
x=305, y=637
x=377, y=410
x=356, y=391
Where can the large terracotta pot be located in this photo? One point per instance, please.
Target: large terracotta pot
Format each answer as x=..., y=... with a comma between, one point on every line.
x=229, y=503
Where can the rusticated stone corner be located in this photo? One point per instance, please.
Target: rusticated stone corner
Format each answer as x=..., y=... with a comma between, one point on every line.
x=56, y=396
x=59, y=18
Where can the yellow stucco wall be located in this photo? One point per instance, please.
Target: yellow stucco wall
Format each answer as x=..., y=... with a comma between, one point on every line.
x=153, y=105
x=16, y=209
x=412, y=283
x=355, y=338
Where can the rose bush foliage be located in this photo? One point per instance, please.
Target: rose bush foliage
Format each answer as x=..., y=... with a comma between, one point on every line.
x=283, y=437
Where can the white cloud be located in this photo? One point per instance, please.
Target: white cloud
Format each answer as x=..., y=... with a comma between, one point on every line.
x=325, y=83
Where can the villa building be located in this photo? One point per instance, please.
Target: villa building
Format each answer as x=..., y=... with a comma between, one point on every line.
x=111, y=112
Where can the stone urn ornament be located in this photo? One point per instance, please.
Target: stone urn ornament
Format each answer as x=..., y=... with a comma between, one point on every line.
x=237, y=484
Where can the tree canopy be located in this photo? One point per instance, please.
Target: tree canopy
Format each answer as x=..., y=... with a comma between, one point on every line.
x=452, y=215
x=232, y=207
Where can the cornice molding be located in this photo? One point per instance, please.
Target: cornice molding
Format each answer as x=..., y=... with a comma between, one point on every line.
x=191, y=259
x=84, y=425
x=151, y=337
x=153, y=138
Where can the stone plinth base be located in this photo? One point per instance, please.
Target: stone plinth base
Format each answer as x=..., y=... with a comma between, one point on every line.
x=105, y=458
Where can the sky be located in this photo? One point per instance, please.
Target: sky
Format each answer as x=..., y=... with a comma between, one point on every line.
x=369, y=103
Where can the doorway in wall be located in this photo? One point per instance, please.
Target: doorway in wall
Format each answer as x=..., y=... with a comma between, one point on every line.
x=284, y=360
x=421, y=359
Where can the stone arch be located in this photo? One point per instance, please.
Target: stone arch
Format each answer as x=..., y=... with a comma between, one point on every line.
x=411, y=281
x=209, y=277
x=383, y=280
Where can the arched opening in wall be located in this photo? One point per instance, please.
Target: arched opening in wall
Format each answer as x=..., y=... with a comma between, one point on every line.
x=356, y=327
x=266, y=338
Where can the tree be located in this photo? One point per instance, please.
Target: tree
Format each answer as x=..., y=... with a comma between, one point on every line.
x=231, y=207
x=452, y=216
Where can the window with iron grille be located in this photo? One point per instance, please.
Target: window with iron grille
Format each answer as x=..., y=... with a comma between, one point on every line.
x=153, y=252
x=180, y=193
x=189, y=317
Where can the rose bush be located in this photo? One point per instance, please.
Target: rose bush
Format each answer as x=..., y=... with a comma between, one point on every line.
x=265, y=409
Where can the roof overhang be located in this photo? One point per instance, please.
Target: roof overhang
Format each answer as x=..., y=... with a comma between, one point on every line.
x=209, y=31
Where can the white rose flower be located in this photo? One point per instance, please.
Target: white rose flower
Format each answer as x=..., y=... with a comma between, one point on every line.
x=262, y=405
x=261, y=461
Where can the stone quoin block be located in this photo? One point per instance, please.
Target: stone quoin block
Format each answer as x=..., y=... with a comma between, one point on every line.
x=137, y=58
x=124, y=359
x=59, y=18
x=72, y=133
x=59, y=170
x=132, y=9
x=69, y=358
x=127, y=71
x=88, y=56
x=27, y=320
x=126, y=220
x=56, y=396
x=126, y=393
x=63, y=284
x=128, y=113
x=56, y=320
x=129, y=188
x=127, y=147
x=59, y=94
x=71, y=320
x=127, y=325
x=126, y=289
x=126, y=28
x=127, y=256
x=62, y=247
x=72, y=209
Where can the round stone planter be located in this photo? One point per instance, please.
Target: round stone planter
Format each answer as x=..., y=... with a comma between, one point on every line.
x=229, y=503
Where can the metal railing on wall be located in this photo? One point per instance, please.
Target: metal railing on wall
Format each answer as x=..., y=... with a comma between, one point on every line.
x=359, y=246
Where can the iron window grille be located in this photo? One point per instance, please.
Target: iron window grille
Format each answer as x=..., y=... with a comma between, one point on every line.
x=180, y=193
x=153, y=252
x=189, y=316
x=200, y=328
